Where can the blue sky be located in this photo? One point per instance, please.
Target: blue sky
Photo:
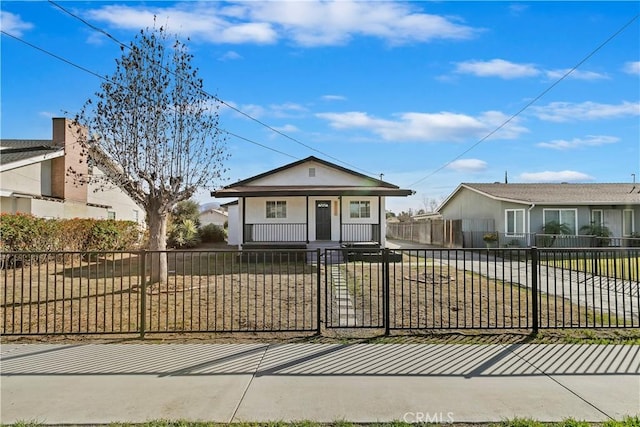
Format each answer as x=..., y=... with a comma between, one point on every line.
x=411, y=90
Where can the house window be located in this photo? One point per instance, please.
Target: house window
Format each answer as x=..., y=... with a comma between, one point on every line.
x=360, y=209
x=514, y=221
x=627, y=223
x=277, y=209
x=567, y=217
x=312, y=172
x=136, y=215
x=597, y=217
x=111, y=215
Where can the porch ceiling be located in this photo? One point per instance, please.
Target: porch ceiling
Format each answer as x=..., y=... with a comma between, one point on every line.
x=301, y=190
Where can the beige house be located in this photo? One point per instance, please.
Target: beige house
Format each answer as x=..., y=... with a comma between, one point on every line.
x=34, y=179
x=214, y=216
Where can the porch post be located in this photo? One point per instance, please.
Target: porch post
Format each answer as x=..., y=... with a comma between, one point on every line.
x=307, y=213
x=340, y=210
x=379, y=236
x=244, y=219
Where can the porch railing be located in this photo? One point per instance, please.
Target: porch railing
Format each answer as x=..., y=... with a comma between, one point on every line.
x=297, y=232
x=287, y=232
x=360, y=232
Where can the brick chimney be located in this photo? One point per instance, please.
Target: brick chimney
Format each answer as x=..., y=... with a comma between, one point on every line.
x=62, y=182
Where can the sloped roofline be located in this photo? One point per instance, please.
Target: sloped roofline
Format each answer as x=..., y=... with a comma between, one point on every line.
x=379, y=182
x=33, y=151
x=470, y=186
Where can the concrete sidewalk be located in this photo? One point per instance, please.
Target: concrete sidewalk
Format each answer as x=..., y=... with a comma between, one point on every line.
x=103, y=383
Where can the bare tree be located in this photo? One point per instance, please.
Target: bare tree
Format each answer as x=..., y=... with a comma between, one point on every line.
x=154, y=131
x=430, y=204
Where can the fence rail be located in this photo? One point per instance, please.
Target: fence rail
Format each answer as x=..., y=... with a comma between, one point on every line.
x=307, y=291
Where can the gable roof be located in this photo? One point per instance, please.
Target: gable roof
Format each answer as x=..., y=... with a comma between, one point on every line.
x=245, y=188
x=557, y=194
x=16, y=153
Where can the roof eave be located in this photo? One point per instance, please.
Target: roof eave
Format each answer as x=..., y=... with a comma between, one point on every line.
x=277, y=192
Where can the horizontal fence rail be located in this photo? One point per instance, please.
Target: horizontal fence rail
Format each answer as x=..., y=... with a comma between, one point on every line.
x=286, y=290
x=205, y=291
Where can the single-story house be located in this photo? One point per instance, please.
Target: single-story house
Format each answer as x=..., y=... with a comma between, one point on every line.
x=519, y=211
x=34, y=179
x=214, y=216
x=310, y=202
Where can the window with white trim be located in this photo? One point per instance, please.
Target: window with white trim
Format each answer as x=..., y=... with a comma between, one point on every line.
x=628, y=226
x=514, y=221
x=597, y=217
x=567, y=217
x=276, y=209
x=360, y=209
x=111, y=215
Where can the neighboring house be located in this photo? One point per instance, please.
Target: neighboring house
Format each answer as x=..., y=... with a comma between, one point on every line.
x=34, y=179
x=214, y=216
x=428, y=216
x=517, y=211
x=310, y=201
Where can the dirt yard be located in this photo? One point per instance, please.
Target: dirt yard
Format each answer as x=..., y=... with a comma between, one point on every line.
x=219, y=292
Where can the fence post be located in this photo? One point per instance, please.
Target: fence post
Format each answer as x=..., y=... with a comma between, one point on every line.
x=385, y=293
x=143, y=292
x=319, y=291
x=535, y=263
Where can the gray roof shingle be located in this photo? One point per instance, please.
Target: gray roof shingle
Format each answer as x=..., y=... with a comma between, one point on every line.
x=15, y=150
x=562, y=194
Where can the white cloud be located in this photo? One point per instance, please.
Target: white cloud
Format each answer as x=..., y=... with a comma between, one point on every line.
x=334, y=98
x=308, y=23
x=559, y=176
x=442, y=126
x=286, y=110
x=510, y=70
x=468, y=165
x=255, y=111
x=497, y=68
x=632, y=67
x=567, y=111
x=230, y=56
x=589, y=141
x=575, y=74
x=288, y=128
x=13, y=24
x=517, y=9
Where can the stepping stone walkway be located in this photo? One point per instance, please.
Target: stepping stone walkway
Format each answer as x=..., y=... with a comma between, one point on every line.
x=346, y=309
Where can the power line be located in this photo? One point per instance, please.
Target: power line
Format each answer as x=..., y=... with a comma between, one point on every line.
x=101, y=77
x=530, y=103
x=271, y=128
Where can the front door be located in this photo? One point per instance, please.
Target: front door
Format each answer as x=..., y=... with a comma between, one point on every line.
x=323, y=220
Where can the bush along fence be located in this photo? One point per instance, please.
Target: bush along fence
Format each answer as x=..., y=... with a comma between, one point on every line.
x=107, y=292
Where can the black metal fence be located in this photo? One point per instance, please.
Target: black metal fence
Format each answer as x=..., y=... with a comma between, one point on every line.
x=308, y=291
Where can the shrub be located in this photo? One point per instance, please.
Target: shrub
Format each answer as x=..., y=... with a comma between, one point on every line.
x=183, y=235
x=212, y=233
x=23, y=232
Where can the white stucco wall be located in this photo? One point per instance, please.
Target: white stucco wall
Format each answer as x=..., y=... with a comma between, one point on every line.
x=213, y=217
x=324, y=176
x=31, y=179
x=297, y=214
x=118, y=201
x=233, y=231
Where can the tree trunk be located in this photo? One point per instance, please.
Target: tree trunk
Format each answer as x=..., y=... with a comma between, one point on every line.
x=158, y=244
